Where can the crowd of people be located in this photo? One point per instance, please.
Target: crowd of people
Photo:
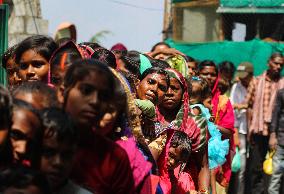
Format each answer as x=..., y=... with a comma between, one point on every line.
x=80, y=119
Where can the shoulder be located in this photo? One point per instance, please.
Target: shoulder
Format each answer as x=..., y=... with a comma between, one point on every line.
x=223, y=101
x=73, y=188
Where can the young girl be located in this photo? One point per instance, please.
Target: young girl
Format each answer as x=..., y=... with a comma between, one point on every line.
x=26, y=134
x=100, y=164
x=32, y=56
x=201, y=104
x=38, y=94
x=176, y=156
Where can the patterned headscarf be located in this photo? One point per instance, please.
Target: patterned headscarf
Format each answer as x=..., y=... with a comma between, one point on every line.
x=194, y=126
x=178, y=63
x=132, y=116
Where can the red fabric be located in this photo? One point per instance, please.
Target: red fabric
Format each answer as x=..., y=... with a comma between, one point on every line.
x=139, y=166
x=184, y=123
x=103, y=166
x=224, y=117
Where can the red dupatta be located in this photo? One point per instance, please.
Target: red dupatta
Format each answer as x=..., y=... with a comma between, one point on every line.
x=224, y=117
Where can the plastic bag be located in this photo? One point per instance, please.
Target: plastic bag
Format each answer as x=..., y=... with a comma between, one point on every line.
x=236, y=163
x=267, y=164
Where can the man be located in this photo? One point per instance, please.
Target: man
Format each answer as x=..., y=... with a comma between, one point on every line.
x=238, y=93
x=260, y=97
x=276, y=142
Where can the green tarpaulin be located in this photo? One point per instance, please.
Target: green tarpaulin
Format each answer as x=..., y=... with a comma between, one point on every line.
x=3, y=38
x=256, y=51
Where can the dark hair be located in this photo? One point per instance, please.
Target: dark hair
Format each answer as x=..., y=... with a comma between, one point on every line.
x=132, y=80
x=82, y=68
x=158, y=44
x=203, y=90
x=6, y=111
x=105, y=56
x=274, y=55
x=69, y=53
x=6, y=108
x=9, y=53
x=48, y=93
x=228, y=67
x=34, y=145
x=58, y=123
x=207, y=63
x=189, y=59
x=132, y=62
x=159, y=63
x=158, y=71
x=43, y=45
x=93, y=45
x=181, y=140
x=21, y=178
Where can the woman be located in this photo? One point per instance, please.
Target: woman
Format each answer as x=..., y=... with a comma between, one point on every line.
x=100, y=164
x=174, y=114
x=32, y=56
x=224, y=118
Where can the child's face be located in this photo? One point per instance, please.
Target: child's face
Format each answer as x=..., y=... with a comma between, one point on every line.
x=192, y=68
x=23, y=132
x=56, y=160
x=174, y=158
x=88, y=100
x=173, y=96
x=33, y=67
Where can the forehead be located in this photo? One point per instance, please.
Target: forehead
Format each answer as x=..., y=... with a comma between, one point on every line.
x=52, y=141
x=208, y=69
x=25, y=120
x=31, y=55
x=174, y=81
x=97, y=80
x=156, y=76
x=35, y=99
x=277, y=59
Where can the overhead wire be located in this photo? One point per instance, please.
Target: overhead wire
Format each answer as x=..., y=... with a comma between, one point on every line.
x=36, y=27
x=135, y=6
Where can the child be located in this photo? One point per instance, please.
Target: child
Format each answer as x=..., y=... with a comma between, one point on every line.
x=38, y=94
x=24, y=181
x=26, y=134
x=100, y=163
x=6, y=107
x=8, y=63
x=176, y=156
x=32, y=56
x=201, y=104
x=58, y=149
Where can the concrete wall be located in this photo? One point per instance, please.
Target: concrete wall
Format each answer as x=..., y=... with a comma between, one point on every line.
x=200, y=24
x=26, y=20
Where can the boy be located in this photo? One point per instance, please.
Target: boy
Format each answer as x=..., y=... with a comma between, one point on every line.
x=58, y=148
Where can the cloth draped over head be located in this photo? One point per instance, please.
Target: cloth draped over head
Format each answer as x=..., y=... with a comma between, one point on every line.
x=144, y=63
x=59, y=56
x=194, y=126
x=178, y=63
x=66, y=30
x=132, y=116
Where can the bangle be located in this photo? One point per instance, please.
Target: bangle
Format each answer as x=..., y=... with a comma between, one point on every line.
x=203, y=191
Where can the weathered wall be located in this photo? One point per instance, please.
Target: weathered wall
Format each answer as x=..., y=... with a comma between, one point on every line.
x=25, y=20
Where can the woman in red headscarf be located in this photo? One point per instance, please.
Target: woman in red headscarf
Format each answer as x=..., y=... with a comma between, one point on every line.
x=224, y=119
x=174, y=115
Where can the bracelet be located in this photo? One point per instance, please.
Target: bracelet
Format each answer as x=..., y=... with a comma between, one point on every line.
x=203, y=191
